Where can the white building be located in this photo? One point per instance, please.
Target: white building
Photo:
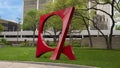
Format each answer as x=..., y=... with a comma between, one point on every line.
x=107, y=19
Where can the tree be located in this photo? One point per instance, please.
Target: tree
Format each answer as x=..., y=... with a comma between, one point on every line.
x=53, y=24
x=80, y=13
x=31, y=21
x=86, y=25
x=75, y=24
x=113, y=5
x=117, y=27
x=1, y=28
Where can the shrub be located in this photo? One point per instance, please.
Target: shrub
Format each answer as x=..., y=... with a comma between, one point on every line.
x=4, y=41
x=23, y=44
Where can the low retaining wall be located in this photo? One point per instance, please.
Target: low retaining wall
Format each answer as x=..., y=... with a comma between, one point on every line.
x=99, y=42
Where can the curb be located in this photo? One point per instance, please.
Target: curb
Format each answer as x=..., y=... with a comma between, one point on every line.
x=53, y=64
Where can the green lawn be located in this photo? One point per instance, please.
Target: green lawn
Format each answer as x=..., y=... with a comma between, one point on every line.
x=85, y=56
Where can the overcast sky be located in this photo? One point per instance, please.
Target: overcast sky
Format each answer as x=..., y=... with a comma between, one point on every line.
x=11, y=9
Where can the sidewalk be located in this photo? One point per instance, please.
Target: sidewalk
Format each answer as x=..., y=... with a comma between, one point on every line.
x=8, y=64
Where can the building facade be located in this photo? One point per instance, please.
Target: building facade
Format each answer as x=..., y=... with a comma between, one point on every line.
x=9, y=25
x=106, y=20
x=34, y=4
x=101, y=19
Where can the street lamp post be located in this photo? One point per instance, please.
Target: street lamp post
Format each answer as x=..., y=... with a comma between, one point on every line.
x=37, y=4
x=18, y=29
x=89, y=6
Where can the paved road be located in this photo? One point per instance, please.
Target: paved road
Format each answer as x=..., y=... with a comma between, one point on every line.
x=8, y=64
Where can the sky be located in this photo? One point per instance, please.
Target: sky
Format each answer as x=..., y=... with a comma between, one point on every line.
x=11, y=9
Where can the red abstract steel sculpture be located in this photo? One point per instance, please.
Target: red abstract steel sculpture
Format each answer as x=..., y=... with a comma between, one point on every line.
x=42, y=47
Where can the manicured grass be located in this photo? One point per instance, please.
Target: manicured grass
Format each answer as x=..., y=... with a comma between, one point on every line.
x=84, y=56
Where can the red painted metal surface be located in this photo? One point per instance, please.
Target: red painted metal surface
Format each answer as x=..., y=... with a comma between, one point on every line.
x=42, y=47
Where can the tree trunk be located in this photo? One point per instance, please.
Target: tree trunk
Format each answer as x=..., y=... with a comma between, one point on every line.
x=87, y=27
x=105, y=37
x=33, y=38
x=90, y=38
x=34, y=29
x=113, y=24
x=70, y=37
x=55, y=35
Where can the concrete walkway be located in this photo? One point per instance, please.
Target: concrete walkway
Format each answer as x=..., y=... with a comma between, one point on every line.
x=8, y=64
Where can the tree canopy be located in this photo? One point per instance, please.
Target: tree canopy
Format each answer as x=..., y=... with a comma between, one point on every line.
x=31, y=19
x=1, y=28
